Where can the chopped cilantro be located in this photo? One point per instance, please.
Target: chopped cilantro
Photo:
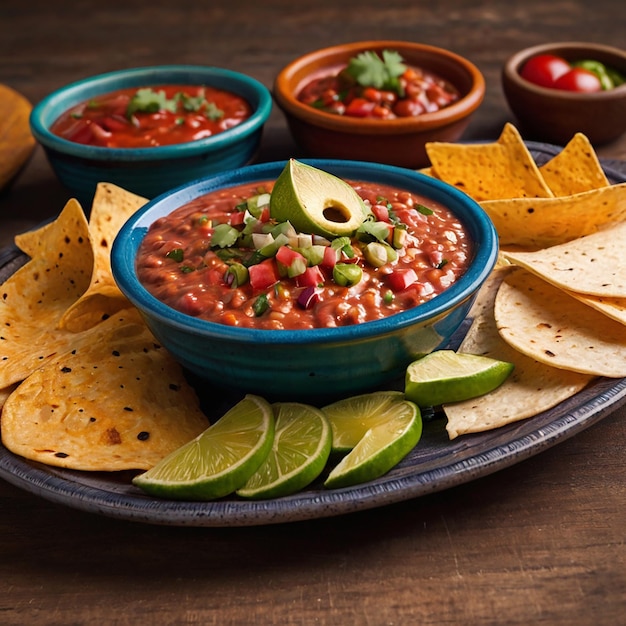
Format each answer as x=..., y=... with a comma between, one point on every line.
x=147, y=100
x=424, y=210
x=176, y=254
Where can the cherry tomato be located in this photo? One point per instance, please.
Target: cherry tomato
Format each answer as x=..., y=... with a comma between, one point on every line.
x=544, y=69
x=579, y=79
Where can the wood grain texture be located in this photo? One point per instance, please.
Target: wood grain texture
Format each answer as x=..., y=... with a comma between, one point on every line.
x=541, y=542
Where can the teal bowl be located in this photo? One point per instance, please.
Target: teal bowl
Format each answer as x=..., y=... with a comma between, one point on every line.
x=320, y=364
x=149, y=171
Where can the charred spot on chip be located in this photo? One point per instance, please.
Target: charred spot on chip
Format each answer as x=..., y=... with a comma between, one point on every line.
x=174, y=387
x=530, y=210
x=144, y=435
x=104, y=243
x=129, y=408
x=549, y=353
x=61, y=455
x=111, y=436
x=115, y=352
x=66, y=370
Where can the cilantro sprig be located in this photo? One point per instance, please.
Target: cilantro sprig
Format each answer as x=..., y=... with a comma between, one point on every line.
x=382, y=72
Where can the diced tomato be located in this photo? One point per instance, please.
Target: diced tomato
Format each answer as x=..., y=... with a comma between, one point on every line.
x=360, y=107
x=265, y=214
x=372, y=94
x=401, y=278
x=331, y=257
x=312, y=277
x=381, y=212
x=263, y=275
x=237, y=218
x=288, y=256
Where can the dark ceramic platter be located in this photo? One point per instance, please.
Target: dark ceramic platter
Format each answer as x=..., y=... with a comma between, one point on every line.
x=434, y=465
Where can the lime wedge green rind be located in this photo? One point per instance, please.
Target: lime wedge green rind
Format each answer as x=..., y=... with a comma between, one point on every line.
x=351, y=418
x=301, y=448
x=445, y=376
x=220, y=460
x=381, y=448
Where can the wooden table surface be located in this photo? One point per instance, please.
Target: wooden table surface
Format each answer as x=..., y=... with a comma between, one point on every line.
x=542, y=542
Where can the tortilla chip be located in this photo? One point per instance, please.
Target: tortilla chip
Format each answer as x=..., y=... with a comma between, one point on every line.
x=534, y=223
x=533, y=387
x=593, y=265
x=504, y=169
x=615, y=308
x=5, y=393
x=547, y=324
x=115, y=401
x=575, y=169
x=28, y=241
x=36, y=296
x=112, y=206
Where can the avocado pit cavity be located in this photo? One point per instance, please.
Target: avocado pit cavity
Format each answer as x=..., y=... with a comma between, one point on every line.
x=315, y=201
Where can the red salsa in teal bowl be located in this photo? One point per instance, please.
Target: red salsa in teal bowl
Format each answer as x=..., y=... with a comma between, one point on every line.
x=152, y=116
x=222, y=258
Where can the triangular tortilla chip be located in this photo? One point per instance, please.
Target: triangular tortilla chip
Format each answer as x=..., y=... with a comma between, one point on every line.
x=546, y=324
x=504, y=169
x=38, y=294
x=115, y=401
x=112, y=206
x=594, y=265
x=615, y=308
x=533, y=387
x=575, y=169
x=534, y=223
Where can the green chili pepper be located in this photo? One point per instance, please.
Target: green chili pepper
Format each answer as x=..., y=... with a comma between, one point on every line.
x=609, y=78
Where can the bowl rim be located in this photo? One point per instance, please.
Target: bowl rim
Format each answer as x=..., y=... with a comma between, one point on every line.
x=466, y=105
x=128, y=239
x=80, y=90
x=512, y=66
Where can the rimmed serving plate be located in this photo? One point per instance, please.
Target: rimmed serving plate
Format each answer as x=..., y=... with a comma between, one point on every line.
x=434, y=465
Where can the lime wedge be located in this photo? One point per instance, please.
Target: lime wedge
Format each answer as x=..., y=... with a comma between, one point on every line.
x=315, y=201
x=446, y=376
x=220, y=460
x=351, y=418
x=301, y=448
x=382, y=446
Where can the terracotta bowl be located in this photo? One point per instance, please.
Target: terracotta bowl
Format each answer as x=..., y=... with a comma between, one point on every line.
x=397, y=141
x=555, y=115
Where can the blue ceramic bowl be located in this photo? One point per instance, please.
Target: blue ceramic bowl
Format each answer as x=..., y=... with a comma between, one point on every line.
x=318, y=364
x=149, y=171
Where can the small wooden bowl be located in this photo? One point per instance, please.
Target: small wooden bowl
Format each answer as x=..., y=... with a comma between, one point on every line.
x=554, y=115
